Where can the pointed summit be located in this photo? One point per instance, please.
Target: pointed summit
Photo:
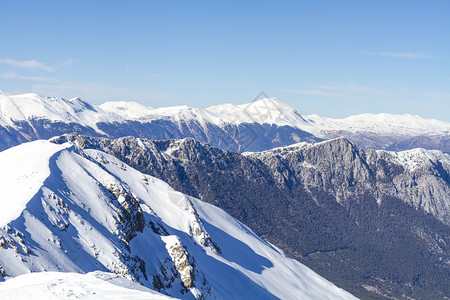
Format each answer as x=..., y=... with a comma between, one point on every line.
x=270, y=110
x=263, y=111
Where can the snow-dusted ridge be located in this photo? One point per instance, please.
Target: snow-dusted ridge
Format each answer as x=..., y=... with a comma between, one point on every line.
x=419, y=158
x=86, y=211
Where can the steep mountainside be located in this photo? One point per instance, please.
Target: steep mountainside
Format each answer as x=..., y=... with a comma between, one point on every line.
x=71, y=210
x=256, y=126
x=373, y=222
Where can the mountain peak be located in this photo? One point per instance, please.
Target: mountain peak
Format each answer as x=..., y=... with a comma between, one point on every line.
x=262, y=111
x=267, y=107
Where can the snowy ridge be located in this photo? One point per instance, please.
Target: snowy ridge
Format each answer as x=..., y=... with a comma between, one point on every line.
x=264, y=111
x=17, y=108
x=87, y=211
x=383, y=124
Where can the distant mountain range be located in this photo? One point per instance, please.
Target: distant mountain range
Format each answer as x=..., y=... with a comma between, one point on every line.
x=64, y=209
x=256, y=126
x=376, y=223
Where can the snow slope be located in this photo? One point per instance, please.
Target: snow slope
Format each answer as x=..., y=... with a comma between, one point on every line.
x=86, y=211
x=18, y=108
x=56, y=286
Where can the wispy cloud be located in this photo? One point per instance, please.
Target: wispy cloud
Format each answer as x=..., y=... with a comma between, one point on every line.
x=437, y=95
x=352, y=88
x=315, y=93
x=401, y=54
x=342, y=90
x=12, y=75
x=65, y=63
x=322, y=93
x=28, y=64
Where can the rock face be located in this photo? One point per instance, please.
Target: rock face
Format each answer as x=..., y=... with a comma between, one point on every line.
x=374, y=222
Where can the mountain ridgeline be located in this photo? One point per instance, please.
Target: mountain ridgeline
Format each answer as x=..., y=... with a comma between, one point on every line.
x=376, y=223
x=256, y=126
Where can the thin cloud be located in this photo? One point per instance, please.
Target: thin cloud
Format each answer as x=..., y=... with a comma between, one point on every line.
x=437, y=95
x=65, y=63
x=12, y=75
x=401, y=54
x=321, y=93
x=315, y=93
x=27, y=64
x=342, y=91
x=352, y=88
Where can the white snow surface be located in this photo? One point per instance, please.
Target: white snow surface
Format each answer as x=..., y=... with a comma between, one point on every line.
x=128, y=110
x=58, y=285
x=264, y=111
x=25, y=179
x=73, y=219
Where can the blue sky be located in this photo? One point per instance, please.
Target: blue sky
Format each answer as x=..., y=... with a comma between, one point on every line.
x=332, y=58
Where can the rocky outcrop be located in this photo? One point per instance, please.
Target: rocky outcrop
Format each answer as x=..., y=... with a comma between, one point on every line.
x=129, y=211
x=180, y=258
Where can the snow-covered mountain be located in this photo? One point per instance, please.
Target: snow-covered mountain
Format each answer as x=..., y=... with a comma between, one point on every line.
x=256, y=126
x=372, y=221
x=27, y=107
x=70, y=210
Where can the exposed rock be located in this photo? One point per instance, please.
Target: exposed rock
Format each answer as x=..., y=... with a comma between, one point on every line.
x=180, y=258
x=131, y=218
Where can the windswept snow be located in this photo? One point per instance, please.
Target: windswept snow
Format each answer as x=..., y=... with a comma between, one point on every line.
x=87, y=211
x=57, y=286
